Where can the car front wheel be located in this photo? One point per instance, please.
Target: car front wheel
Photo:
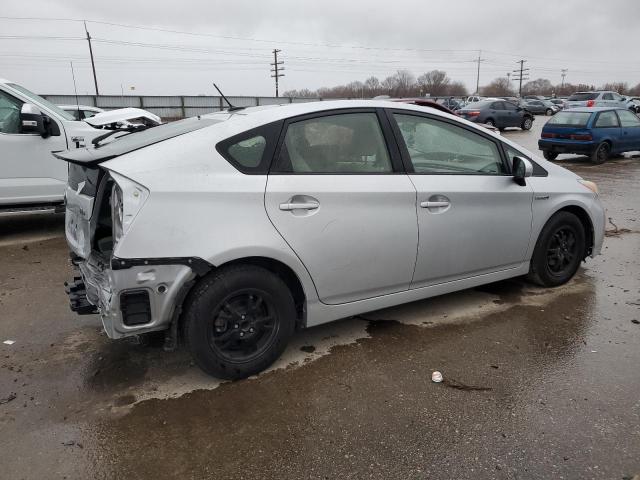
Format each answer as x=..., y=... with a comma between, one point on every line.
x=559, y=250
x=548, y=112
x=527, y=123
x=238, y=321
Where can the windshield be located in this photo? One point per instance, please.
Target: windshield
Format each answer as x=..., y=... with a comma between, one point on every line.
x=38, y=99
x=583, y=96
x=570, y=119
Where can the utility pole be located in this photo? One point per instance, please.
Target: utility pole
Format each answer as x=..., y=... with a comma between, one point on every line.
x=509, y=77
x=520, y=75
x=277, y=68
x=93, y=65
x=563, y=74
x=478, y=77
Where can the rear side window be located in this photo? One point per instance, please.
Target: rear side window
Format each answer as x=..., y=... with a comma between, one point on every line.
x=251, y=151
x=583, y=96
x=340, y=143
x=570, y=119
x=607, y=119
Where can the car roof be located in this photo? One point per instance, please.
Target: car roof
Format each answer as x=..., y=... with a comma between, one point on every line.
x=81, y=107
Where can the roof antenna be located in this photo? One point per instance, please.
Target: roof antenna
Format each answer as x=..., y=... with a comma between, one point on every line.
x=75, y=89
x=231, y=107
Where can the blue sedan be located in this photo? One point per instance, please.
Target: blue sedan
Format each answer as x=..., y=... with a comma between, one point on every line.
x=596, y=132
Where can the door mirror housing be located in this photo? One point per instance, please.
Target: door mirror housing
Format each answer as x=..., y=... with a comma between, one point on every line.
x=32, y=120
x=522, y=168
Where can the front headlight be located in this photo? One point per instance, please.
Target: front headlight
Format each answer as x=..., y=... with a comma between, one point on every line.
x=127, y=198
x=590, y=185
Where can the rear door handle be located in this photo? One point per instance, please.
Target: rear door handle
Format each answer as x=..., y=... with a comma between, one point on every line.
x=299, y=206
x=434, y=204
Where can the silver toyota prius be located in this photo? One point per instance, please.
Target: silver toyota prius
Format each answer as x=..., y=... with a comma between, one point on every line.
x=230, y=230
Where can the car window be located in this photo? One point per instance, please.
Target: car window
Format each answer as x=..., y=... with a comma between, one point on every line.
x=248, y=153
x=497, y=106
x=510, y=106
x=607, y=96
x=607, y=119
x=628, y=119
x=9, y=113
x=440, y=147
x=88, y=113
x=570, y=119
x=344, y=143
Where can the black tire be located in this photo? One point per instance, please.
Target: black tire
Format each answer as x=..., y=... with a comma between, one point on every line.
x=548, y=112
x=601, y=153
x=238, y=321
x=490, y=122
x=559, y=250
x=527, y=123
x=551, y=156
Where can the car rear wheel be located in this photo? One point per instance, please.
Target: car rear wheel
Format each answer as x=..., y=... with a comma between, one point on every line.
x=551, y=156
x=548, y=112
x=559, y=250
x=527, y=123
x=238, y=321
x=601, y=153
x=490, y=122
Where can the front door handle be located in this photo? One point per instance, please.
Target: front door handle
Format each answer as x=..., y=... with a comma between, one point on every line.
x=440, y=204
x=299, y=206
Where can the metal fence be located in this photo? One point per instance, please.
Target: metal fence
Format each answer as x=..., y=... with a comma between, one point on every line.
x=171, y=107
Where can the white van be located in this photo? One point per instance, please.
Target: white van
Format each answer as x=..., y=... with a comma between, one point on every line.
x=31, y=128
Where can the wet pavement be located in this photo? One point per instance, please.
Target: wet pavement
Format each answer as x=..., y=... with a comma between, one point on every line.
x=548, y=380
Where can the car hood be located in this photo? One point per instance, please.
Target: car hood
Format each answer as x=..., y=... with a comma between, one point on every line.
x=123, y=115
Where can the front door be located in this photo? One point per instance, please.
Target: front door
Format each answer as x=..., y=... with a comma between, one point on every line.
x=472, y=217
x=338, y=196
x=29, y=173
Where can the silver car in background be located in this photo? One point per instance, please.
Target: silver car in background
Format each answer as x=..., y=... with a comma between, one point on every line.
x=233, y=229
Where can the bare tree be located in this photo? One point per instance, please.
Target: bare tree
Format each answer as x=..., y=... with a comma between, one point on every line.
x=404, y=83
x=457, y=89
x=499, y=87
x=635, y=91
x=620, y=87
x=540, y=86
x=434, y=83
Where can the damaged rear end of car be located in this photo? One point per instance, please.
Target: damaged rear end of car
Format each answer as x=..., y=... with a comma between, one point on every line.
x=132, y=296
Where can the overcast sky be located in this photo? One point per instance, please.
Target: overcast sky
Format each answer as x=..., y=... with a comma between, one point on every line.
x=323, y=43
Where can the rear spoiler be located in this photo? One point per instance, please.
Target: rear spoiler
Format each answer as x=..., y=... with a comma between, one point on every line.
x=130, y=142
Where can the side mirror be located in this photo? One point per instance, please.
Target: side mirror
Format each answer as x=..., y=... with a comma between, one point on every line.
x=522, y=168
x=32, y=120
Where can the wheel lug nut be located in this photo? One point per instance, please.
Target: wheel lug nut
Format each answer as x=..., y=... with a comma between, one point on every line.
x=242, y=334
x=236, y=326
x=251, y=329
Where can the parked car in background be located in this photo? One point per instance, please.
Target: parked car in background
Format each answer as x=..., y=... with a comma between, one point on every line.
x=541, y=107
x=220, y=226
x=597, y=132
x=450, y=103
x=497, y=113
x=534, y=97
x=80, y=112
x=424, y=102
x=559, y=102
x=473, y=98
x=596, y=99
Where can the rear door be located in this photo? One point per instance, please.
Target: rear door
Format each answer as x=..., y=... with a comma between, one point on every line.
x=338, y=195
x=513, y=115
x=498, y=113
x=473, y=218
x=28, y=171
x=630, y=129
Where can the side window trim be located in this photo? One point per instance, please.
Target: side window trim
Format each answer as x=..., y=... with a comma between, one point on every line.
x=404, y=151
x=391, y=146
x=270, y=131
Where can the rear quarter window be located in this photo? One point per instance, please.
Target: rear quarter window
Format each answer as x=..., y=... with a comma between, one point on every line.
x=251, y=152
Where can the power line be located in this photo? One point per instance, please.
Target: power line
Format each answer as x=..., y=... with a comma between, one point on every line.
x=522, y=74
